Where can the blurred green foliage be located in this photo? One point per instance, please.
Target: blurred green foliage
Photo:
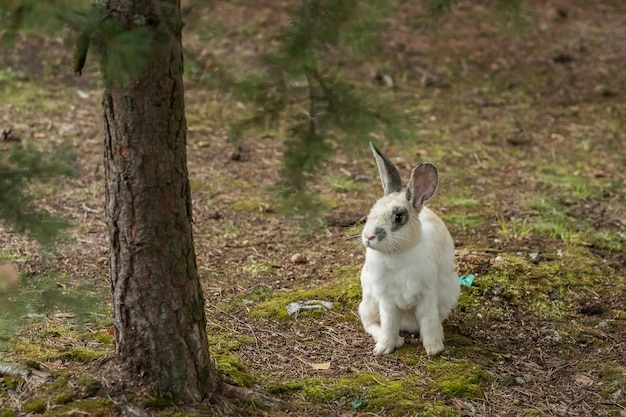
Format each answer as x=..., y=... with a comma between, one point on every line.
x=22, y=166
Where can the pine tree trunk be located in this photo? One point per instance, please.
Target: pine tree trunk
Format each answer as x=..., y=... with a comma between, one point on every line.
x=158, y=306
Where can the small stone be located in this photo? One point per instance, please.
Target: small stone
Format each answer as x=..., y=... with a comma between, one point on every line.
x=519, y=380
x=617, y=395
x=497, y=290
x=299, y=258
x=469, y=407
x=602, y=325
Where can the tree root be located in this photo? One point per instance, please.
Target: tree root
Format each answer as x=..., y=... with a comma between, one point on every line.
x=241, y=393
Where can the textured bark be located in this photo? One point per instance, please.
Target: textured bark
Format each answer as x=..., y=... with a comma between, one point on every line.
x=158, y=306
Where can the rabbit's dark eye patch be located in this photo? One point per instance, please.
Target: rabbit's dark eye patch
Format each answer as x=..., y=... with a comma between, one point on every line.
x=400, y=217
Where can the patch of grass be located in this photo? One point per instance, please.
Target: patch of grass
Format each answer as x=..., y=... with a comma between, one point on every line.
x=463, y=220
x=30, y=300
x=22, y=92
x=343, y=184
x=557, y=225
x=513, y=228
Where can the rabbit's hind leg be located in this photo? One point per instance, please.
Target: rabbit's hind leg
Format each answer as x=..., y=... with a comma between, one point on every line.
x=409, y=322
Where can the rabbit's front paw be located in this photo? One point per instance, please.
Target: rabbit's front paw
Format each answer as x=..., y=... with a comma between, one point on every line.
x=433, y=349
x=385, y=347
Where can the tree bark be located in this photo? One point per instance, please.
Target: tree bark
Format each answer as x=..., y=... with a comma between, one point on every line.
x=158, y=305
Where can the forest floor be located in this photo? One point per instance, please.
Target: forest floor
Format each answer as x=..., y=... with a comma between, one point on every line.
x=529, y=134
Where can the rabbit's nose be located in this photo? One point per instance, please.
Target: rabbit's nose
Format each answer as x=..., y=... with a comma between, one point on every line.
x=369, y=238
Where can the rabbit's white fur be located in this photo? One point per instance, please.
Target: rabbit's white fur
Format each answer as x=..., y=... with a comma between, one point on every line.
x=409, y=280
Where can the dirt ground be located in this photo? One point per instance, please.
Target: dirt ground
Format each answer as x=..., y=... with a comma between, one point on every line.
x=528, y=132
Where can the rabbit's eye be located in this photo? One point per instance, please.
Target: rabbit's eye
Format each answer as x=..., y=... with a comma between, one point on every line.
x=400, y=217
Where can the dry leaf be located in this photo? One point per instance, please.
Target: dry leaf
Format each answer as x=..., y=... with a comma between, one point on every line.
x=8, y=275
x=583, y=379
x=64, y=315
x=321, y=366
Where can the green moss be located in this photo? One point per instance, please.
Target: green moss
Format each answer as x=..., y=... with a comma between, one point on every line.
x=158, y=403
x=219, y=341
x=344, y=291
x=283, y=387
x=35, y=406
x=496, y=314
x=342, y=183
x=233, y=370
x=8, y=413
x=531, y=412
x=370, y=392
x=613, y=377
x=64, y=397
x=33, y=364
x=58, y=384
x=619, y=314
x=86, y=379
x=101, y=336
x=463, y=379
x=543, y=287
x=83, y=355
x=93, y=407
x=12, y=382
x=438, y=410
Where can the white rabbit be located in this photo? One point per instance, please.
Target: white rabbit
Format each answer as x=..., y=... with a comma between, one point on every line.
x=409, y=280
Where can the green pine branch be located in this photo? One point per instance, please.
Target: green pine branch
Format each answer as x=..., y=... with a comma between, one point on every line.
x=20, y=168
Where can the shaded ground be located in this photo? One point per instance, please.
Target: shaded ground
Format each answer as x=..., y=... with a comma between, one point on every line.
x=528, y=133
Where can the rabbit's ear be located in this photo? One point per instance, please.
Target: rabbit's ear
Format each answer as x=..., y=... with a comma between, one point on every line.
x=389, y=176
x=423, y=184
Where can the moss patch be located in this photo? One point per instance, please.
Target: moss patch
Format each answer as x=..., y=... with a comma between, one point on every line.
x=12, y=382
x=344, y=291
x=463, y=379
x=366, y=392
x=542, y=286
x=35, y=406
x=64, y=397
x=94, y=407
x=232, y=369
